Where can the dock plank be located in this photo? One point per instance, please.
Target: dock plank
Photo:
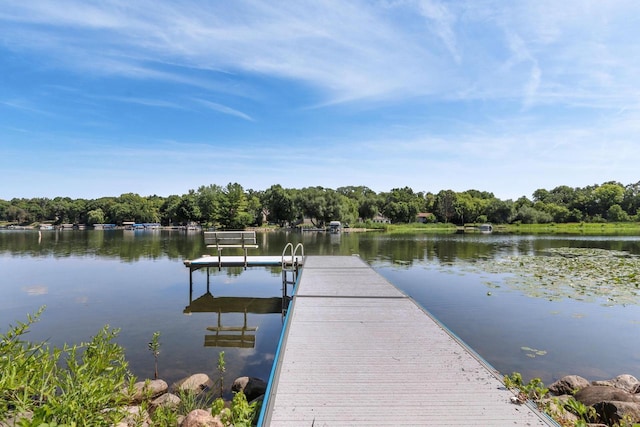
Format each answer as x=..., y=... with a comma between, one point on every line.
x=239, y=261
x=358, y=352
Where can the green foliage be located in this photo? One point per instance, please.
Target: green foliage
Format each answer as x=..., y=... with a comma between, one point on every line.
x=78, y=391
x=163, y=416
x=154, y=347
x=95, y=374
x=85, y=384
x=278, y=203
x=28, y=370
x=232, y=207
x=534, y=389
x=221, y=370
x=586, y=413
x=189, y=401
x=240, y=414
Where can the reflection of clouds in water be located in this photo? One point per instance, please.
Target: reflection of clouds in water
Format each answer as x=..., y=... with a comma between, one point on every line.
x=36, y=290
x=82, y=300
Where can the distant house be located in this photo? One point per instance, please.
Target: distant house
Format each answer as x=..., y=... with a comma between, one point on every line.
x=381, y=219
x=425, y=217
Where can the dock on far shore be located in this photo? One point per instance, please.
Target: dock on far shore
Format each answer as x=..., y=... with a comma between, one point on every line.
x=356, y=351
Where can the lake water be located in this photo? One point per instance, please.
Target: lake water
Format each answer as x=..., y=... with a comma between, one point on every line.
x=136, y=281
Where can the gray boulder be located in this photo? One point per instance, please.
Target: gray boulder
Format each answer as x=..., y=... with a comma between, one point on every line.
x=196, y=383
x=201, y=418
x=613, y=412
x=599, y=393
x=251, y=387
x=148, y=390
x=167, y=400
x=624, y=382
x=568, y=385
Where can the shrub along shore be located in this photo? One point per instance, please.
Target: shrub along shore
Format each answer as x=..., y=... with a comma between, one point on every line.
x=89, y=384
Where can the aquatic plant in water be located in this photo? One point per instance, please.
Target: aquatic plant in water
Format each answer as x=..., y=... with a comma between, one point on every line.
x=589, y=274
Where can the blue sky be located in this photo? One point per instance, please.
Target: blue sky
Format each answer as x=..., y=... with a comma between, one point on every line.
x=159, y=97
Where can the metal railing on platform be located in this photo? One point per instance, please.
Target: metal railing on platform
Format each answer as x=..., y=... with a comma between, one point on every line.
x=290, y=269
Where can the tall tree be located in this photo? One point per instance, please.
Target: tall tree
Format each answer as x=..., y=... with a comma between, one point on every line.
x=279, y=205
x=209, y=199
x=446, y=205
x=402, y=205
x=233, y=208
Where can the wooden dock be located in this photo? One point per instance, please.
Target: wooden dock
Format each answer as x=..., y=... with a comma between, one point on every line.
x=355, y=351
x=239, y=261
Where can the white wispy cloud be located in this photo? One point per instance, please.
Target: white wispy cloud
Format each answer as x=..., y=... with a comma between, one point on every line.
x=148, y=102
x=223, y=109
x=347, y=51
x=24, y=105
x=464, y=91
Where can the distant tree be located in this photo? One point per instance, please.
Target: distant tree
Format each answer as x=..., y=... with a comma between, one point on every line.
x=429, y=202
x=133, y=207
x=169, y=210
x=446, y=205
x=210, y=199
x=279, y=205
x=402, y=205
x=254, y=207
x=188, y=209
x=558, y=213
x=466, y=208
x=522, y=201
x=499, y=211
x=37, y=208
x=77, y=211
x=631, y=199
x=105, y=204
x=541, y=195
x=59, y=210
x=607, y=195
x=311, y=204
x=95, y=216
x=366, y=201
x=563, y=195
x=530, y=215
x=233, y=208
x=339, y=207
x=4, y=206
x=617, y=214
x=16, y=214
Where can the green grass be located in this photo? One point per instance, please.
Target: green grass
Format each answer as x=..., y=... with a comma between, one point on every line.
x=589, y=228
x=81, y=385
x=584, y=228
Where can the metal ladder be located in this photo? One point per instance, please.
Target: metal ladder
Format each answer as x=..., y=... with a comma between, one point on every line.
x=290, y=270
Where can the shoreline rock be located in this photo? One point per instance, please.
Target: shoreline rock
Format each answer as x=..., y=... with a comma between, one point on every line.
x=157, y=394
x=614, y=400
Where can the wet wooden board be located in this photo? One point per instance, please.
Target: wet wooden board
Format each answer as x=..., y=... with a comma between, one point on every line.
x=358, y=352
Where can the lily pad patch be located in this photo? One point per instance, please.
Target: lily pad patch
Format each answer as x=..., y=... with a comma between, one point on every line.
x=584, y=274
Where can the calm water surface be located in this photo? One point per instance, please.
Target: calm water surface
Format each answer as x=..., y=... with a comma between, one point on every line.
x=136, y=281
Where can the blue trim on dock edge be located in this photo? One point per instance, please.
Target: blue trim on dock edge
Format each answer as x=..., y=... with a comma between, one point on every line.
x=267, y=393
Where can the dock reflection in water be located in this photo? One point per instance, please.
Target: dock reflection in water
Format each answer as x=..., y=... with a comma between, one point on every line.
x=239, y=336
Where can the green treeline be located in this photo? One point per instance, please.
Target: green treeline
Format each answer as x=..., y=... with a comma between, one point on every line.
x=233, y=207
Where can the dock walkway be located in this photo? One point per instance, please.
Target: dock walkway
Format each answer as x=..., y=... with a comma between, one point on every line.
x=356, y=351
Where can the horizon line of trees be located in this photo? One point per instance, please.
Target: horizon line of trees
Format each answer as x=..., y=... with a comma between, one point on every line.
x=232, y=207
